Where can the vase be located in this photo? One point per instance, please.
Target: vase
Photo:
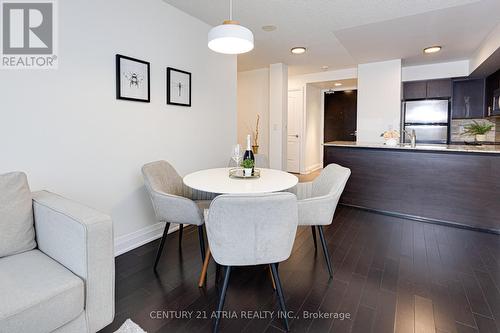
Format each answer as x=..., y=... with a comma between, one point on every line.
x=255, y=149
x=247, y=172
x=480, y=137
x=391, y=142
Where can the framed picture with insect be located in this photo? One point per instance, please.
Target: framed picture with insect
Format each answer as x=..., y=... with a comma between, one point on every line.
x=178, y=87
x=132, y=79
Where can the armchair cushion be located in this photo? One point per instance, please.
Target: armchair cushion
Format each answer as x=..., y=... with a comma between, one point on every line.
x=17, y=233
x=37, y=293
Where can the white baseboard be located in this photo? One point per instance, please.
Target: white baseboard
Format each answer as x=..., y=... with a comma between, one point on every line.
x=140, y=237
x=313, y=168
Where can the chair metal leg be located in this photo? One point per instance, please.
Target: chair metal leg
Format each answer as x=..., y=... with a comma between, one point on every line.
x=272, y=278
x=325, y=250
x=279, y=288
x=313, y=229
x=202, y=242
x=217, y=273
x=222, y=298
x=162, y=243
x=181, y=227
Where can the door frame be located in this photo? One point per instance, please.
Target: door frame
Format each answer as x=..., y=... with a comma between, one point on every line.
x=301, y=128
x=322, y=122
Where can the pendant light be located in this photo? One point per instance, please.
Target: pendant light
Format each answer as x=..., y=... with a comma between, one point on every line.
x=230, y=37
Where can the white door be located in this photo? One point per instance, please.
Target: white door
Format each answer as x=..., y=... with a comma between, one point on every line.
x=295, y=112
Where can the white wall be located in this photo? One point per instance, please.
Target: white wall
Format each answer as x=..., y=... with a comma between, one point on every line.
x=435, y=71
x=490, y=44
x=278, y=111
x=313, y=129
x=253, y=99
x=67, y=131
x=300, y=81
x=379, y=99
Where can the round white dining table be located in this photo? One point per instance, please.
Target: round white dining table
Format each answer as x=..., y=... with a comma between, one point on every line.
x=218, y=181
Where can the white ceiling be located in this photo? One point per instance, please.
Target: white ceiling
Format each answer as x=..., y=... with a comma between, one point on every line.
x=343, y=33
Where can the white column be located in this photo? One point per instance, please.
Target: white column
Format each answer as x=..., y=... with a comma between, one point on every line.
x=379, y=99
x=278, y=111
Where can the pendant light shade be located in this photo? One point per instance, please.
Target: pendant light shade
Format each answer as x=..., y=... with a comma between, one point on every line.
x=230, y=37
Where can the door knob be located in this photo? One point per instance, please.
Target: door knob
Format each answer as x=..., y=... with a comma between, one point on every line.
x=296, y=135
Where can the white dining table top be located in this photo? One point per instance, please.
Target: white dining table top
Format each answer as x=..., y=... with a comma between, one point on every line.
x=218, y=181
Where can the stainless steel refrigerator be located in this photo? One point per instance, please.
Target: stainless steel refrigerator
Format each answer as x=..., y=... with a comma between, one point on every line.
x=429, y=118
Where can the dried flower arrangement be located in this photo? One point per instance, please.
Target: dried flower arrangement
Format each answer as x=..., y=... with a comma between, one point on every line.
x=255, y=146
x=256, y=132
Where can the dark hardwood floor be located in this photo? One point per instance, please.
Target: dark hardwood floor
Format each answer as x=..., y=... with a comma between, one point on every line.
x=390, y=275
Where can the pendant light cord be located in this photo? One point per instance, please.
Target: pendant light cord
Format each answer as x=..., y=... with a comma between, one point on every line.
x=230, y=10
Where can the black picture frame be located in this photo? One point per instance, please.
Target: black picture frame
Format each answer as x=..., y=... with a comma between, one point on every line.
x=119, y=93
x=169, y=86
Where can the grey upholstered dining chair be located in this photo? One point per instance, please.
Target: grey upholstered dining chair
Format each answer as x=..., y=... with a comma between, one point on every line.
x=317, y=201
x=246, y=230
x=173, y=202
x=261, y=161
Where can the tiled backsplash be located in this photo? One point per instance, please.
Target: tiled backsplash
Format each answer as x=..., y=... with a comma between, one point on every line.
x=497, y=126
x=457, y=128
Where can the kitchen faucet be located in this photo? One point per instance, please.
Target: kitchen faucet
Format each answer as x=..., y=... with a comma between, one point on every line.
x=413, y=137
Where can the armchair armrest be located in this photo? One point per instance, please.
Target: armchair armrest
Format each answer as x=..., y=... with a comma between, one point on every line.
x=302, y=190
x=193, y=194
x=81, y=239
x=176, y=209
x=316, y=211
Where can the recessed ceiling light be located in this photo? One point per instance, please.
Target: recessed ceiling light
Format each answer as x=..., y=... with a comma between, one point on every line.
x=298, y=50
x=269, y=28
x=432, y=49
x=324, y=68
x=337, y=84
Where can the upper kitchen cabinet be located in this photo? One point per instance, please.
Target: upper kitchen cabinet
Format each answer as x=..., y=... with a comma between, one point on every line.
x=439, y=88
x=468, y=99
x=427, y=89
x=415, y=90
x=492, y=93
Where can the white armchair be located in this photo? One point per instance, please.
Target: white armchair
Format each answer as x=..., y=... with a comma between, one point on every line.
x=247, y=230
x=317, y=201
x=173, y=202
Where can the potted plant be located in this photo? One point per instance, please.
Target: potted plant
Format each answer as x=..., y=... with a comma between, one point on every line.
x=391, y=137
x=255, y=146
x=247, y=167
x=479, y=130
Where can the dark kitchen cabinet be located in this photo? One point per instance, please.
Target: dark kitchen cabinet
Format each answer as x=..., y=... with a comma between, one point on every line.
x=415, y=90
x=491, y=85
x=439, y=88
x=468, y=101
x=427, y=89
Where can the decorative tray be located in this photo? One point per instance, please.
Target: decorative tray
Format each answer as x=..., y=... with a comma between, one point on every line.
x=240, y=174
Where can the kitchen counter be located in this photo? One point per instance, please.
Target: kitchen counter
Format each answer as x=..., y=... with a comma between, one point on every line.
x=455, y=185
x=494, y=149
